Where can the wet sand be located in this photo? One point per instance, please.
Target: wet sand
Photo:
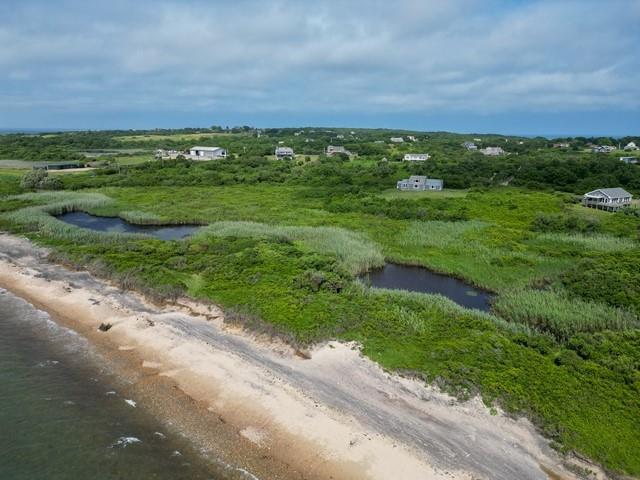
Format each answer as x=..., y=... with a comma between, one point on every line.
x=255, y=404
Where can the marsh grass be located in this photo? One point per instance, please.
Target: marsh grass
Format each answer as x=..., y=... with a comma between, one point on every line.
x=42, y=217
x=406, y=305
x=439, y=234
x=354, y=251
x=553, y=312
x=595, y=242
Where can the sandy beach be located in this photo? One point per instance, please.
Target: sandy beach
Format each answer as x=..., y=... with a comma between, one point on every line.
x=253, y=403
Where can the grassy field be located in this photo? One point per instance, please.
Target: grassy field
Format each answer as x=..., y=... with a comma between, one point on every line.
x=560, y=346
x=446, y=193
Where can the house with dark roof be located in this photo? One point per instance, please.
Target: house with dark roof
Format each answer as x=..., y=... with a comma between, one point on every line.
x=419, y=182
x=609, y=199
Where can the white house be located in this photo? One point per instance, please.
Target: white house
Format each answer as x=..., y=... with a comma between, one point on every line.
x=396, y=140
x=629, y=160
x=631, y=146
x=416, y=157
x=207, y=153
x=602, y=149
x=334, y=150
x=609, y=199
x=284, y=152
x=412, y=138
x=419, y=182
x=470, y=146
x=492, y=151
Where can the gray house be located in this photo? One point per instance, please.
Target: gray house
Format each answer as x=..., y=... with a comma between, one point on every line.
x=206, y=153
x=284, y=152
x=609, y=199
x=420, y=182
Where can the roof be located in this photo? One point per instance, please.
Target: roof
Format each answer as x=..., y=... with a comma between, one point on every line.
x=206, y=149
x=611, y=192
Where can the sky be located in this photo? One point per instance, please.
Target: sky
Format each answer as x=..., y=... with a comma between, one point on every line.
x=548, y=67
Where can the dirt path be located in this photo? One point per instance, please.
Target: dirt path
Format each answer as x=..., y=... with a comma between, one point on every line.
x=342, y=406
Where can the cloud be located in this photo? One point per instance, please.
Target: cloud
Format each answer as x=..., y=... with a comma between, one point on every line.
x=290, y=56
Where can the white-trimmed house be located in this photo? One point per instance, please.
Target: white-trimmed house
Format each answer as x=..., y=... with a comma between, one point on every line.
x=207, y=153
x=284, y=152
x=335, y=150
x=492, y=151
x=631, y=146
x=470, y=146
x=609, y=199
x=629, y=160
x=416, y=157
x=420, y=182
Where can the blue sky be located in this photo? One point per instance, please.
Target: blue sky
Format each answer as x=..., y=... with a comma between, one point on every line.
x=528, y=67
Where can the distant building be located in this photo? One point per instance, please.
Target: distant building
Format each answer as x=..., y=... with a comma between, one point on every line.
x=412, y=138
x=396, y=140
x=560, y=145
x=609, y=199
x=492, y=151
x=284, y=152
x=340, y=136
x=602, y=148
x=420, y=182
x=416, y=157
x=629, y=160
x=206, y=153
x=334, y=150
x=170, y=154
x=470, y=146
x=57, y=166
x=631, y=146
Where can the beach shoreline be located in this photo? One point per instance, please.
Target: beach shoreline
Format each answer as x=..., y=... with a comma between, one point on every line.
x=255, y=404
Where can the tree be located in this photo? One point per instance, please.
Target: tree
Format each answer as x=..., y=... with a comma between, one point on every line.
x=40, y=180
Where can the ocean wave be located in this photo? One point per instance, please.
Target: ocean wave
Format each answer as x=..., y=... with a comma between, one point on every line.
x=122, y=442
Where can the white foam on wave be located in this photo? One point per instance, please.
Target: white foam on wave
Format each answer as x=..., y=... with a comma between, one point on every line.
x=122, y=442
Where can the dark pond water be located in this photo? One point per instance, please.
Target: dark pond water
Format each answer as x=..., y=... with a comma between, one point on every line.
x=118, y=225
x=418, y=279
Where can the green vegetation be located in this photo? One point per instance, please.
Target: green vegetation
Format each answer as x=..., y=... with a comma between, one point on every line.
x=561, y=316
x=355, y=253
x=285, y=240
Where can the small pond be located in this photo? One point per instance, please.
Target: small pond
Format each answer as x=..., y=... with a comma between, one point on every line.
x=118, y=225
x=419, y=279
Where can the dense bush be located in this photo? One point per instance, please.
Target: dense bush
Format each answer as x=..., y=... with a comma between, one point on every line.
x=40, y=180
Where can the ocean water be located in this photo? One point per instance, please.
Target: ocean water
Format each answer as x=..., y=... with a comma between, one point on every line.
x=62, y=415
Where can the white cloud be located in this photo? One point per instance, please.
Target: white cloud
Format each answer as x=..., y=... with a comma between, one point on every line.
x=369, y=56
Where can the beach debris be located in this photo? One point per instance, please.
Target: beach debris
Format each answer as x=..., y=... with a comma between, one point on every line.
x=131, y=402
x=160, y=435
x=302, y=354
x=122, y=442
x=110, y=392
x=105, y=327
x=176, y=453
